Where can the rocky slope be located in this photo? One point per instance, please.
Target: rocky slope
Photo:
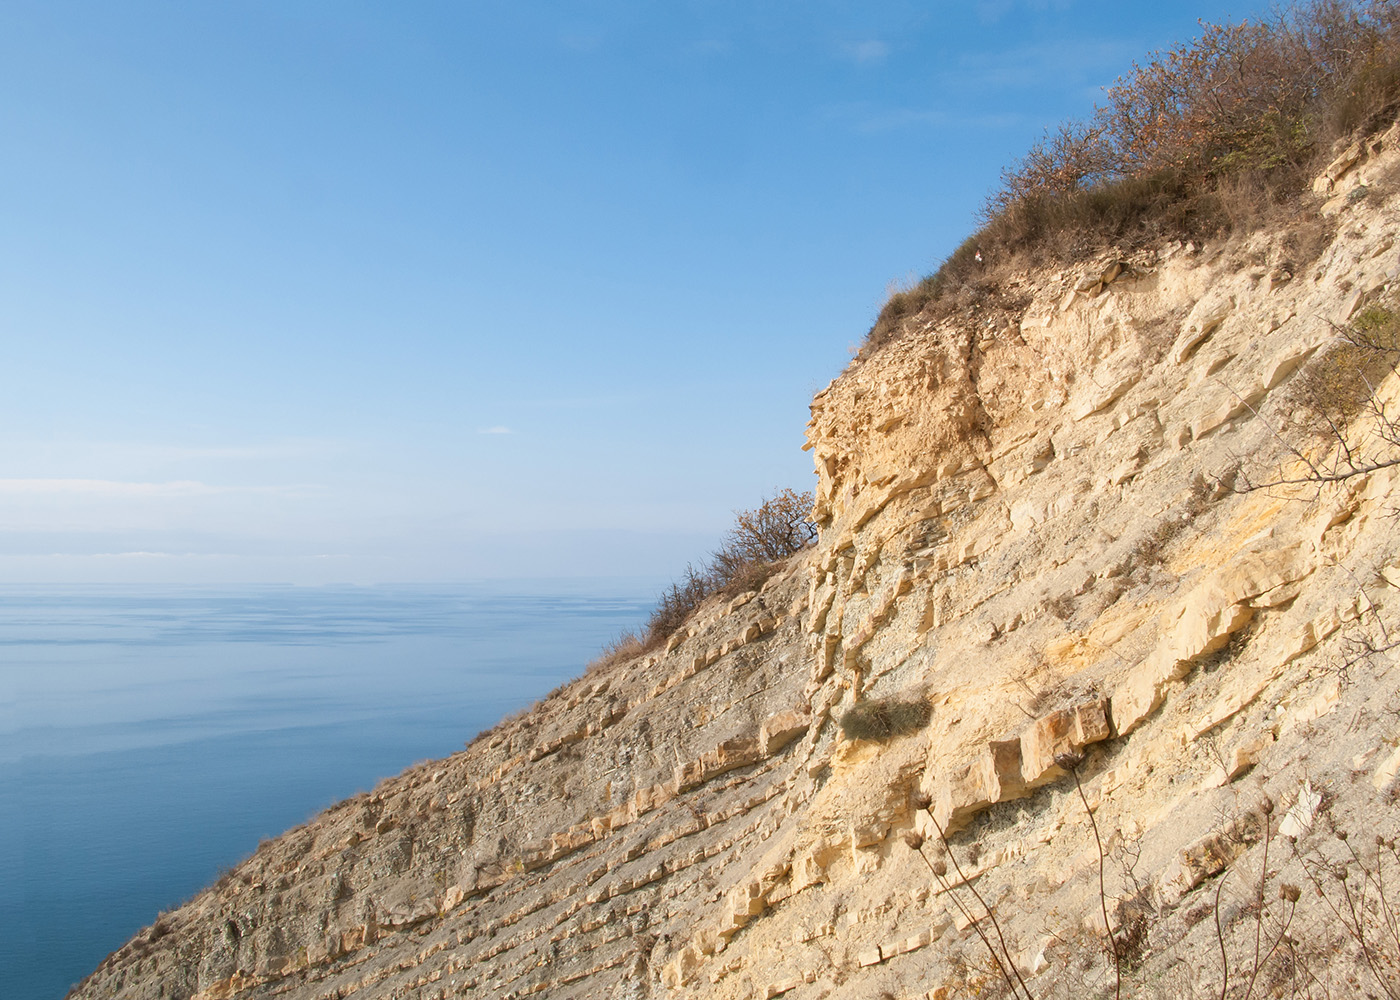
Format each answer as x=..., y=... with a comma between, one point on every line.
x=1032, y=524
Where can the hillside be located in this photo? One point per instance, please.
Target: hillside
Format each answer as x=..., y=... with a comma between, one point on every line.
x=1037, y=535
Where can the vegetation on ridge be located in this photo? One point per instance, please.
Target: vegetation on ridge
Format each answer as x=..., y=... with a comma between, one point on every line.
x=761, y=539
x=1217, y=134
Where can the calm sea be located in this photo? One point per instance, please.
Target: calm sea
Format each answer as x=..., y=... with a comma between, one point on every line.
x=151, y=736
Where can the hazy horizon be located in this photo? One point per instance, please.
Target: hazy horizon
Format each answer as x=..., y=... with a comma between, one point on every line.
x=318, y=292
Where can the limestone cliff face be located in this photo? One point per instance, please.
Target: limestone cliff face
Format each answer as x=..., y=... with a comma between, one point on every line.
x=1028, y=523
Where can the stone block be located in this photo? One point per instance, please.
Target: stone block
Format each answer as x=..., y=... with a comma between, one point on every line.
x=1140, y=693
x=963, y=921
x=1000, y=770
x=620, y=817
x=1212, y=610
x=957, y=798
x=869, y=957
x=1299, y=818
x=809, y=865
x=781, y=729
x=738, y=752
x=1042, y=741
x=746, y=900
x=1091, y=723
x=1318, y=705
x=1246, y=755
x=916, y=941
x=1338, y=168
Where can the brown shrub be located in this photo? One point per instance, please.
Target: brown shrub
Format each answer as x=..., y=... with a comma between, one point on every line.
x=775, y=529
x=760, y=540
x=677, y=602
x=1217, y=134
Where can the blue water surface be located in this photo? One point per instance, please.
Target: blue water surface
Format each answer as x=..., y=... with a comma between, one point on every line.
x=149, y=737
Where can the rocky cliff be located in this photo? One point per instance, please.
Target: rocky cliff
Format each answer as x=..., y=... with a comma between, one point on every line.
x=1155, y=698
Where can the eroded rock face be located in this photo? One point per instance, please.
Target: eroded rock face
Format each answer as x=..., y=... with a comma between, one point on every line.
x=1029, y=526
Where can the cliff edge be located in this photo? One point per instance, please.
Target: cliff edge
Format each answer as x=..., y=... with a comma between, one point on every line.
x=1156, y=698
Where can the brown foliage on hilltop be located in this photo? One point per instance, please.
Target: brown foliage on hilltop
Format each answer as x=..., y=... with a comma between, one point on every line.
x=1215, y=134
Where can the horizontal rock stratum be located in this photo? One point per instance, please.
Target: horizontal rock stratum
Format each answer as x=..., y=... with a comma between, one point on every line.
x=1033, y=522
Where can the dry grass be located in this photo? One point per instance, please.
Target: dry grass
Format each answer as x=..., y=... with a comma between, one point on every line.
x=627, y=645
x=880, y=720
x=1339, y=383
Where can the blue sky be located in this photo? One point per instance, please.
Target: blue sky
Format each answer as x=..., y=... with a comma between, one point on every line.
x=365, y=292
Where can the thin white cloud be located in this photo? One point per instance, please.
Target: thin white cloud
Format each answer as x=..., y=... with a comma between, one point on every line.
x=495, y=430
x=284, y=449
x=870, y=118
x=120, y=488
x=106, y=487
x=869, y=51
x=138, y=555
x=126, y=452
